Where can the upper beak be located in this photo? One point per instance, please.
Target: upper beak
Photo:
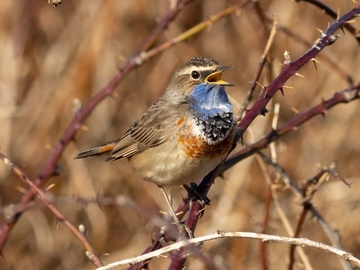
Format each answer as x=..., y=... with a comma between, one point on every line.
x=215, y=77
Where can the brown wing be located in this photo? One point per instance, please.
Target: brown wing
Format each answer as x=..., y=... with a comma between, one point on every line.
x=153, y=128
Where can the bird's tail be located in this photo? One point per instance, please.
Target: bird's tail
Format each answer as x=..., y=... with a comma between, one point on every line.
x=97, y=151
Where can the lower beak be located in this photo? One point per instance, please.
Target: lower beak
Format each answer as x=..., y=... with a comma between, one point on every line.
x=215, y=77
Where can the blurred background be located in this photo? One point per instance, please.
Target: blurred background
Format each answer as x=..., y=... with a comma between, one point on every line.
x=52, y=58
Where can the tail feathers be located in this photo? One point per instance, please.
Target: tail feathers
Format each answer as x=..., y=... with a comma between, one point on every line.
x=96, y=151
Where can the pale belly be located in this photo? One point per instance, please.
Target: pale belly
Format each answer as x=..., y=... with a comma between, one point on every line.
x=165, y=165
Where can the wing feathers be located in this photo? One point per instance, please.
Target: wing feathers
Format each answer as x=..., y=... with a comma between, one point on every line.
x=150, y=130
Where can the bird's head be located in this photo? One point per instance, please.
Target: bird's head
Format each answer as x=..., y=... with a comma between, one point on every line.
x=199, y=70
x=198, y=81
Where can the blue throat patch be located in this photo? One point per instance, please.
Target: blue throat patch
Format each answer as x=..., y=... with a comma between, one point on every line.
x=212, y=110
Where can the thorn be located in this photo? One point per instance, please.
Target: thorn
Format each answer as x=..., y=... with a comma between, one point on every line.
x=265, y=90
x=264, y=111
x=332, y=39
x=49, y=187
x=295, y=110
x=324, y=113
x=115, y=95
x=338, y=13
x=287, y=87
x=259, y=84
x=84, y=128
x=21, y=189
x=342, y=30
x=315, y=61
x=164, y=213
x=282, y=91
x=202, y=211
x=82, y=229
x=77, y=105
x=299, y=75
x=287, y=58
x=318, y=29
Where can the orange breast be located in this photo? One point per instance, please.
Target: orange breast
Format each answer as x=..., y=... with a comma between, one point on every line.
x=197, y=148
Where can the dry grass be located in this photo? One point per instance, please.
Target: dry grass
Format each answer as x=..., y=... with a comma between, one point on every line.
x=51, y=57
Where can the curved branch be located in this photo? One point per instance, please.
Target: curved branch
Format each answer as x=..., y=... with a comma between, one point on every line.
x=266, y=238
x=345, y=96
x=50, y=168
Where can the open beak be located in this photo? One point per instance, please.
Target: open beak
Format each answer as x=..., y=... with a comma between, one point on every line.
x=215, y=77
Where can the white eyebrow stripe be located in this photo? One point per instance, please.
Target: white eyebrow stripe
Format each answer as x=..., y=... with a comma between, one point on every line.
x=187, y=70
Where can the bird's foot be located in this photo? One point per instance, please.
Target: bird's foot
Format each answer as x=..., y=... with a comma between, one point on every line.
x=195, y=195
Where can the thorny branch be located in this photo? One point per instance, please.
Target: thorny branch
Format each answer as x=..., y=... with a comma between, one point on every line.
x=328, y=10
x=90, y=252
x=345, y=96
x=290, y=68
x=143, y=54
x=50, y=167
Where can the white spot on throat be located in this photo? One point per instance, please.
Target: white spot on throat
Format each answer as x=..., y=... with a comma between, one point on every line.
x=225, y=107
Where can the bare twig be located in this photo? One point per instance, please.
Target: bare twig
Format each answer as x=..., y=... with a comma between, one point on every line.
x=262, y=62
x=332, y=234
x=90, y=252
x=189, y=33
x=263, y=237
x=274, y=195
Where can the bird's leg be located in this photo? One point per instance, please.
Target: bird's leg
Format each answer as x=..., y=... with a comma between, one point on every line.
x=180, y=226
x=195, y=195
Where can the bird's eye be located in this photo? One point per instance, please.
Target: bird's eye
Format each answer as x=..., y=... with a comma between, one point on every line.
x=195, y=75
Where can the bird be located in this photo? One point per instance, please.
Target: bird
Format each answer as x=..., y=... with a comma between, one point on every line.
x=185, y=134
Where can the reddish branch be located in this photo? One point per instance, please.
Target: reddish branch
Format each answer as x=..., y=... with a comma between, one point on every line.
x=178, y=259
x=327, y=38
x=328, y=10
x=91, y=253
x=50, y=167
x=345, y=96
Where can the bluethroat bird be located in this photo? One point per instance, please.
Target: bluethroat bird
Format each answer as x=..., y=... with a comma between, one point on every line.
x=185, y=134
